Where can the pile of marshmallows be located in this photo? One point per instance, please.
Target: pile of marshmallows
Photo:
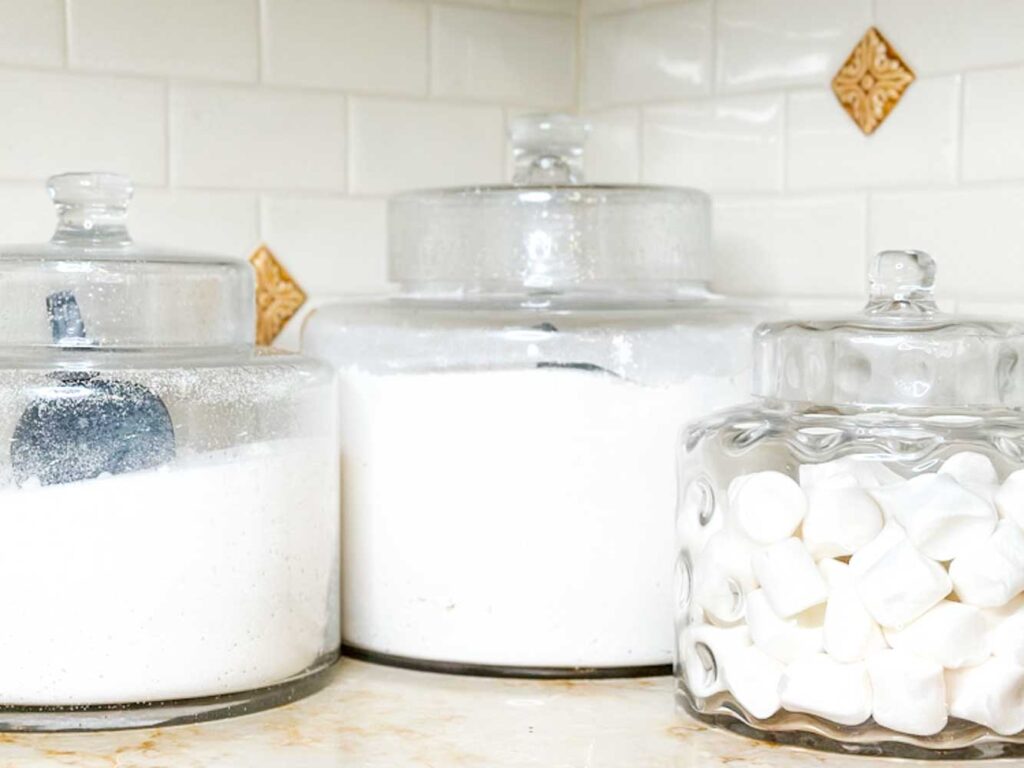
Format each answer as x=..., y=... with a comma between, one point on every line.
x=857, y=594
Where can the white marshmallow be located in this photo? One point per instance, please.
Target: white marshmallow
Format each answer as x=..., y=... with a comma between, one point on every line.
x=704, y=654
x=850, y=632
x=1006, y=630
x=848, y=472
x=753, y=678
x=836, y=573
x=789, y=577
x=840, y=521
x=909, y=694
x=902, y=585
x=991, y=573
x=940, y=516
x=991, y=694
x=820, y=685
x=783, y=639
x=951, y=634
x=1010, y=498
x=970, y=468
x=865, y=557
x=766, y=506
x=722, y=574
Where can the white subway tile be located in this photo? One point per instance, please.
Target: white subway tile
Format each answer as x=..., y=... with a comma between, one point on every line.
x=330, y=245
x=503, y=56
x=658, y=53
x=215, y=39
x=953, y=35
x=975, y=235
x=364, y=45
x=728, y=144
x=257, y=138
x=32, y=33
x=807, y=246
x=596, y=7
x=58, y=122
x=993, y=121
x=612, y=152
x=196, y=220
x=770, y=43
x=917, y=144
x=570, y=7
x=398, y=145
x=28, y=214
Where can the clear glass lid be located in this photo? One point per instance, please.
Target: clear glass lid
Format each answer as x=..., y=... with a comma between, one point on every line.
x=91, y=287
x=548, y=231
x=900, y=352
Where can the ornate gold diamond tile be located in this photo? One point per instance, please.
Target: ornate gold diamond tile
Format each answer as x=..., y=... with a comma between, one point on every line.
x=278, y=296
x=872, y=81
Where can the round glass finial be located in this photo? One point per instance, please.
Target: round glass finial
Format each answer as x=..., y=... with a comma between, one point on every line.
x=901, y=280
x=548, y=149
x=91, y=207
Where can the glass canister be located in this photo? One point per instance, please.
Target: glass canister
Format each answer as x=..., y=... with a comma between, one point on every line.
x=509, y=418
x=169, y=534
x=851, y=554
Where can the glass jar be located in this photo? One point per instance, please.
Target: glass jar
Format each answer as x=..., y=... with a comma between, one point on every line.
x=510, y=415
x=850, y=552
x=168, y=492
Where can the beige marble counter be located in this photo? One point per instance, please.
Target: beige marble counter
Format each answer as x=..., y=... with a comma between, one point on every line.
x=371, y=716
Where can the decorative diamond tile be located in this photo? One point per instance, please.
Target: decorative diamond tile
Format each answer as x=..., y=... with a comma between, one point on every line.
x=872, y=81
x=278, y=296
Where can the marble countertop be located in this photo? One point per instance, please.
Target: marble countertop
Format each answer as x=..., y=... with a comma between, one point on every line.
x=371, y=716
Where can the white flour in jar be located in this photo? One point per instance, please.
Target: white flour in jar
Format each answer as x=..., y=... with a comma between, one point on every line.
x=208, y=575
x=517, y=518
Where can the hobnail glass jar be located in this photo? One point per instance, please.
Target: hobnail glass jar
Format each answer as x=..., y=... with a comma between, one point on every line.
x=168, y=492
x=850, y=557
x=510, y=415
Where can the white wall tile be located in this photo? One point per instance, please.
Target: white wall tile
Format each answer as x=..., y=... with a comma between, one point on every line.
x=952, y=35
x=770, y=43
x=503, y=56
x=218, y=39
x=994, y=124
x=28, y=214
x=56, y=122
x=790, y=246
x=917, y=144
x=195, y=220
x=364, y=45
x=612, y=152
x=595, y=7
x=658, y=53
x=726, y=144
x=32, y=33
x=570, y=7
x=398, y=145
x=257, y=138
x=975, y=235
x=333, y=245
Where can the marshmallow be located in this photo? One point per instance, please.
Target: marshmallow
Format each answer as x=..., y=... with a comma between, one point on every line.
x=909, y=694
x=992, y=573
x=850, y=633
x=704, y=654
x=940, y=516
x=970, y=468
x=783, y=639
x=1010, y=498
x=902, y=585
x=991, y=694
x=820, y=685
x=722, y=574
x=1006, y=630
x=789, y=577
x=840, y=521
x=766, y=506
x=849, y=472
x=836, y=573
x=753, y=678
x=865, y=557
x=951, y=634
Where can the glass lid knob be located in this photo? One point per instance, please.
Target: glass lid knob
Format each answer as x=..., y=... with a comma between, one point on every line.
x=92, y=208
x=902, y=281
x=548, y=149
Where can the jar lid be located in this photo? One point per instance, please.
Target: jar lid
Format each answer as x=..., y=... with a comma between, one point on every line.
x=91, y=287
x=900, y=352
x=548, y=231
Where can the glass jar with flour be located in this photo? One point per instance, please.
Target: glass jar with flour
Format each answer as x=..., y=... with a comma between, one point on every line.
x=850, y=569
x=168, y=493
x=510, y=414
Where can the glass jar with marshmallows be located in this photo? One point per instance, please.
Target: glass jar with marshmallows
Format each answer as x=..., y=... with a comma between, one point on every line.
x=850, y=546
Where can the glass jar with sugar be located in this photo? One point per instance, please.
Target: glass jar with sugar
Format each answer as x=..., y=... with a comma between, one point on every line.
x=510, y=413
x=850, y=570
